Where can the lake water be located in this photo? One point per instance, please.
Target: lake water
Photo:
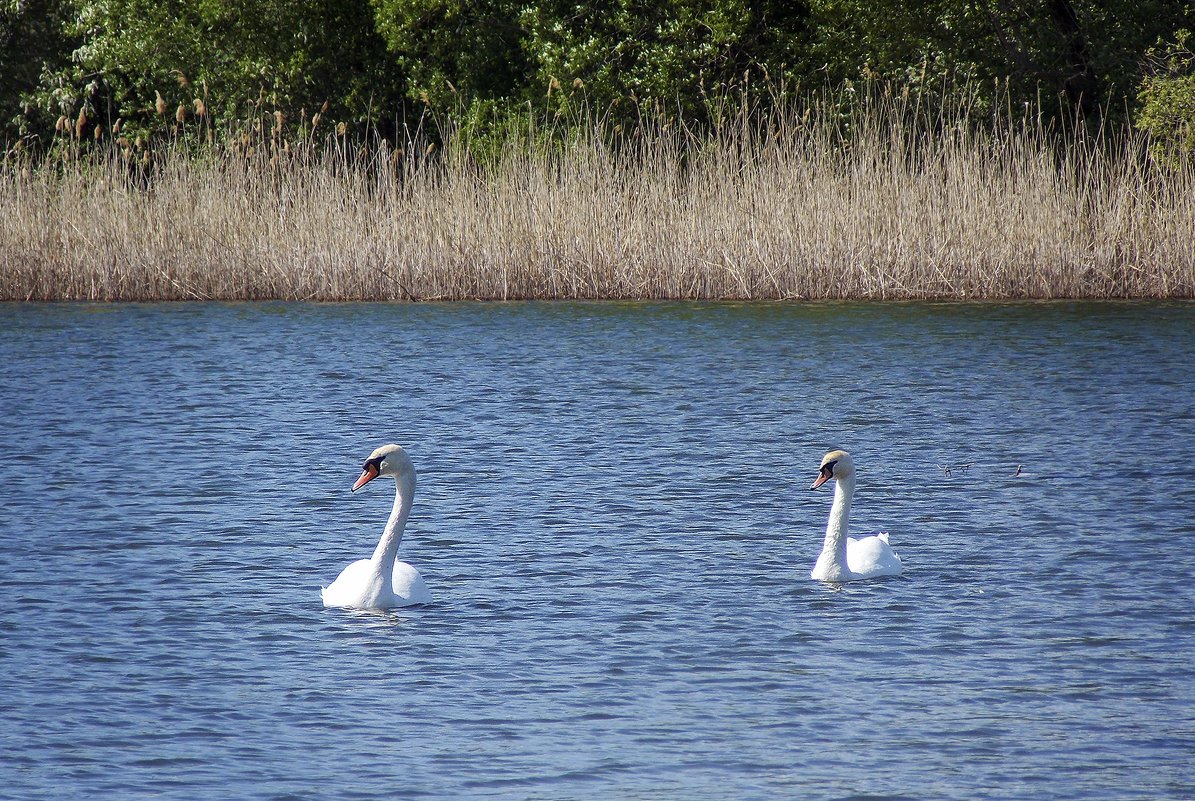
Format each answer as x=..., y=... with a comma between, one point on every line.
x=613, y=517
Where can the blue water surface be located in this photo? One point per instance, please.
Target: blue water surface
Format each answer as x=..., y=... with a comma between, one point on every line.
x=613, y=517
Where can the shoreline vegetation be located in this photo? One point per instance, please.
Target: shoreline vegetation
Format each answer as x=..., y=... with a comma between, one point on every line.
x=882, y=198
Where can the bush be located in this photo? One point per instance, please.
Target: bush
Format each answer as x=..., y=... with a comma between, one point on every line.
x=155, y=65
x=1167, y=98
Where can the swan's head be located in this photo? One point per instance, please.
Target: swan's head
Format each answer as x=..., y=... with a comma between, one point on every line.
x=836, y=465
x=388, y=460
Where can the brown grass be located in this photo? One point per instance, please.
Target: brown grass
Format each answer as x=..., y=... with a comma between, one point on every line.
x=879, y=202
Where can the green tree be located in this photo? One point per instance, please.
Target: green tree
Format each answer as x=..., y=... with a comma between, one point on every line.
x=150, y=61
x=1086, y=54
x=503, y=54
x=34, y=41
x=460, y=49
x=680, y=52
x=89, y=62
x=1167, y=98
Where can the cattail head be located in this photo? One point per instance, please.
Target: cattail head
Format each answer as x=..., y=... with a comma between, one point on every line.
x=160, y=104
x=81, y=123
x=200, y=108
x=315, y=120
x=182, y=79
x=180, y=115
x=116, y=126
x=341, y=128
x=578, y=83
x=98, y=133
x=278, y=118
x=324, y=108
x=62, y=125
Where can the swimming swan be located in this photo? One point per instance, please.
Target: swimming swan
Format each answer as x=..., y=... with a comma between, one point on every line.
x=846, y=558
x=381, y=582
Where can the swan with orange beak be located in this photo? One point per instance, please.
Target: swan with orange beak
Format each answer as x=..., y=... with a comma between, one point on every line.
x=383, y=582
x=845, y=558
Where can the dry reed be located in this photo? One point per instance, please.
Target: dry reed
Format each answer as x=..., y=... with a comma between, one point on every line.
x=883, y=202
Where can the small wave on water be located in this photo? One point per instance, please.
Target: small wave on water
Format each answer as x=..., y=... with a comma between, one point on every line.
x=613, y=519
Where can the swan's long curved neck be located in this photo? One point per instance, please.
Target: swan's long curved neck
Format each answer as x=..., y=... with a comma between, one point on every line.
x=840, y=512
x=387, y=550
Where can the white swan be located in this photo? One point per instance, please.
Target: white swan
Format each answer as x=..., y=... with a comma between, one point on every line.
x=846, y=558
x=382, y=582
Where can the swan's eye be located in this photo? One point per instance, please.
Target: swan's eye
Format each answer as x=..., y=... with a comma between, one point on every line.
x=828, y=469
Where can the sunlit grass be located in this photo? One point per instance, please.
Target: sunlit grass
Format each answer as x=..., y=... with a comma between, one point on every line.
x=883, y=201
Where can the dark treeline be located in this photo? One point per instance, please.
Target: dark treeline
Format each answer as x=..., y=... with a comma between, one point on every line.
x=70, y=70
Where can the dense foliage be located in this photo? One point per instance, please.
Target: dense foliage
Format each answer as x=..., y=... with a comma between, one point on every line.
x=1167, y=98
x=71, y=67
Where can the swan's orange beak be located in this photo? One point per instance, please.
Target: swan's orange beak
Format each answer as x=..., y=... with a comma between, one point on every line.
x=367, y=475
x=822, y=478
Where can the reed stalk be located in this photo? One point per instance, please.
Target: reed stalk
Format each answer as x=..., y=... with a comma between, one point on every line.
x=879, y=199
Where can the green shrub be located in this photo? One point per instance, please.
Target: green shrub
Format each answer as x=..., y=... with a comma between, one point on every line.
x=1167, y=98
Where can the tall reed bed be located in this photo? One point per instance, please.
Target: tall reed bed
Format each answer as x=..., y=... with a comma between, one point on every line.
x=880, y=199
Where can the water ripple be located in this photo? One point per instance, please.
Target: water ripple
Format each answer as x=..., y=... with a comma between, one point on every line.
x=613, y=518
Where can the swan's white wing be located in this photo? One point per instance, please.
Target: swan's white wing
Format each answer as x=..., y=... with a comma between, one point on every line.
x=872, y=556
x=408, y=586
x=349, y=585
x=357, y=587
